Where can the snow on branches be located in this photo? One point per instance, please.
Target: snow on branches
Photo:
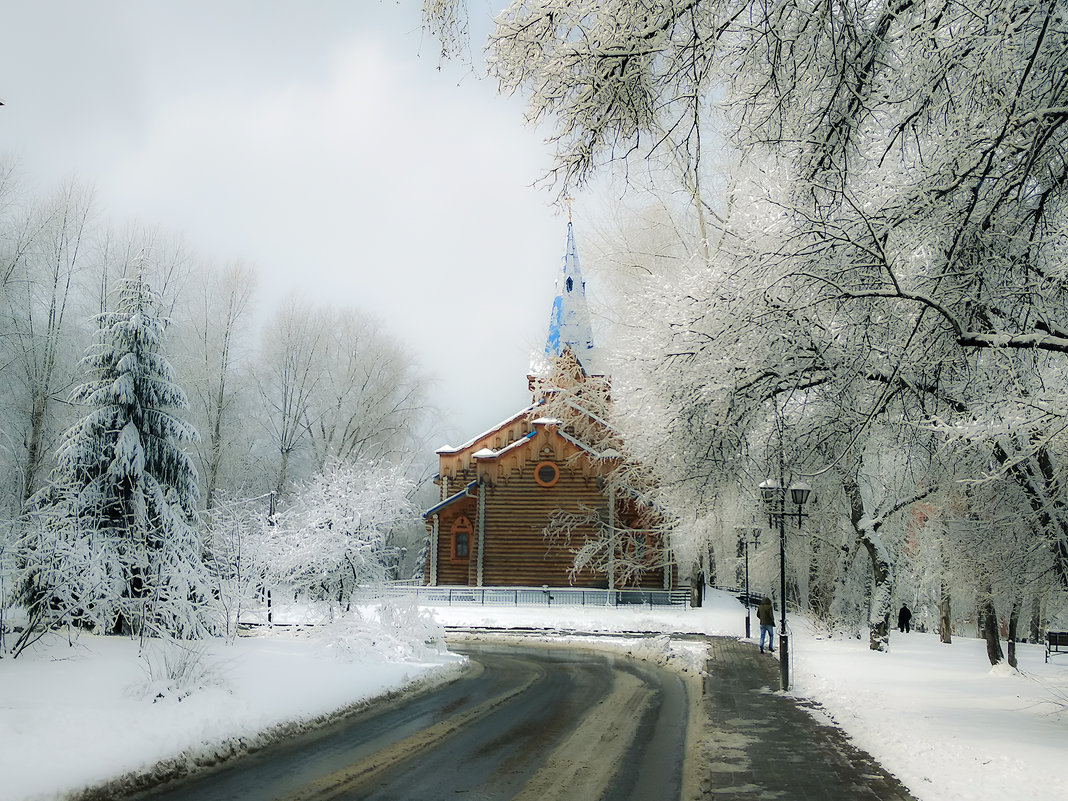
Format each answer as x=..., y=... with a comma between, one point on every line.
x=892, y=247
x=112, y=542
x=335, y=536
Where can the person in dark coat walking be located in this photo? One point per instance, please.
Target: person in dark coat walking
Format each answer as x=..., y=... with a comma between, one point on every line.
x=766, y=616
x=903, y=619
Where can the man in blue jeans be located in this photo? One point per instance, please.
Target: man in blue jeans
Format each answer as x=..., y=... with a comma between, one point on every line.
x=766, y=616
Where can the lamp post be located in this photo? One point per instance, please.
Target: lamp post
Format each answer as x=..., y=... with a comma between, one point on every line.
x=745, y=540
x=774, y=497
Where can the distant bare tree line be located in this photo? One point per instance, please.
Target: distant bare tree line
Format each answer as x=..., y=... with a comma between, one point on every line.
x=274, y=395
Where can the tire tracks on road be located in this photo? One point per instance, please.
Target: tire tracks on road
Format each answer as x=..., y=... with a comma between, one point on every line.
x=583, y=765
x=352, y=777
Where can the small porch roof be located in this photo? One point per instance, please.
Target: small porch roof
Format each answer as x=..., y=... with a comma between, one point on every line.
x=464, y=493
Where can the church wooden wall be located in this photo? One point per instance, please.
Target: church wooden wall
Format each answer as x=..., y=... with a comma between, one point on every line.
x=517, y=552
x=517, y=510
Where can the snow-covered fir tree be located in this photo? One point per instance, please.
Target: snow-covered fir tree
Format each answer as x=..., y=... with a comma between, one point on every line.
x=122, y=503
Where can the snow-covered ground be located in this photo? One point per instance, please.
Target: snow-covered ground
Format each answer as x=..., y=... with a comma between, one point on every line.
x=86, y=713
x=937, y=716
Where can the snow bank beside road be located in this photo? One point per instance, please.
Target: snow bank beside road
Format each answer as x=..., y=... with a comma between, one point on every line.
x=949, y=726
x=81, y=715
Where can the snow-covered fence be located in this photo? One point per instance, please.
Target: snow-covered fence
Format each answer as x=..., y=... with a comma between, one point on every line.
x=522, y=596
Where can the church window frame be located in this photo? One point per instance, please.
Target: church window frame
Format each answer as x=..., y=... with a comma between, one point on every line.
x=546, y=474
x=460, y=535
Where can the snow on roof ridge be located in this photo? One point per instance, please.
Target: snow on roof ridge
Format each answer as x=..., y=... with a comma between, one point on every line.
x=488, y=431
x=610, y=453
x=513, y=445
x=578, y=407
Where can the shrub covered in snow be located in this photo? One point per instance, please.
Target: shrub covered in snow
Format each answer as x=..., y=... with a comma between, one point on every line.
x=396, y=630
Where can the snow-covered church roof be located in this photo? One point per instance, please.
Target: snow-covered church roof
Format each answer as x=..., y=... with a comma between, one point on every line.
x=569, y=321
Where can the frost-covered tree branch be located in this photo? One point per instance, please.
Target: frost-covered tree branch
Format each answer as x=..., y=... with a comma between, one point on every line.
x=334, y=538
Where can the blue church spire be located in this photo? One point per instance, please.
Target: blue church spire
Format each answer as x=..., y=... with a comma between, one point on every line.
x=569, y=321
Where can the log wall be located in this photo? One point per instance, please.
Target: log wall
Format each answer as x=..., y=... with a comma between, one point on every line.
x=517, y=511
x=517, y=553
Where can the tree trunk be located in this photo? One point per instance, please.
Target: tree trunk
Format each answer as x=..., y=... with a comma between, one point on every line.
x=1014, y=623
x=33, y=445
x=816, y=599
x=945, y=625
x=1037, y=477
x=215, y=416
x=868, y=536
x=283, y=468
x=212, y=478
x=879, y=619
x=879, y=633
x=989, y=619
x=1038, y=625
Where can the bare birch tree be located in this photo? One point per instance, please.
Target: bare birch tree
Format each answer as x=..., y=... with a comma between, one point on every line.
x=288, y=376
x=370, y=401
x=48, y=261
x=220, y=309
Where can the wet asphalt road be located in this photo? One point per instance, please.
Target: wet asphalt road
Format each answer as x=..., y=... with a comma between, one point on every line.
x=534, y=723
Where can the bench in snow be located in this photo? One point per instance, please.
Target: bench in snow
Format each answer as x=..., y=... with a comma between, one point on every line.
x=1056, y=643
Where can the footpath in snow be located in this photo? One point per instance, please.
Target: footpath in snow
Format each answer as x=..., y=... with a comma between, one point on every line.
x=937, y=716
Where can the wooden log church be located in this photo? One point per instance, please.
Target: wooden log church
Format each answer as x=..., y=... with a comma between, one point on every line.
x=499, y=490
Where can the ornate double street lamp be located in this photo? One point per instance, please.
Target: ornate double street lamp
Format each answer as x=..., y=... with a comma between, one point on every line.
x=774, y=497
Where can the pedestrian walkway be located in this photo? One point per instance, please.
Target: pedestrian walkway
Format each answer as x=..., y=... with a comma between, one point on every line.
x=760, y=744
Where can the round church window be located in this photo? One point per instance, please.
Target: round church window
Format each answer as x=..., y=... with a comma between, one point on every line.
x=546, y=474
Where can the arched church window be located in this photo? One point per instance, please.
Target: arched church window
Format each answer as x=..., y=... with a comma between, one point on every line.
x=570, y=284
x=461, y=539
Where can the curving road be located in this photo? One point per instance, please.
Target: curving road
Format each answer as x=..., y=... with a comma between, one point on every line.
x=529, y=723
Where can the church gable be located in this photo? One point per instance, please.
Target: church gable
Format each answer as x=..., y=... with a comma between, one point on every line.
x=454, y=462
x=544, y=441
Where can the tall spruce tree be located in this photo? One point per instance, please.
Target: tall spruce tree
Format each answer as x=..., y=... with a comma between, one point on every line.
x=124, y=493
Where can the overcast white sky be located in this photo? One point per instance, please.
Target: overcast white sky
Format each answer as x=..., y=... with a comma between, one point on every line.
x=318, y=141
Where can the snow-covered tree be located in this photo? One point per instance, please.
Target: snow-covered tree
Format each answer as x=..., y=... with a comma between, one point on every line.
x=335, y=536
x=119, y=515
x=887, y=260
x=235, y=552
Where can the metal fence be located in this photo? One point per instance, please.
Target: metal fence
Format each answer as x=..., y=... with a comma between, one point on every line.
x=525, y=596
